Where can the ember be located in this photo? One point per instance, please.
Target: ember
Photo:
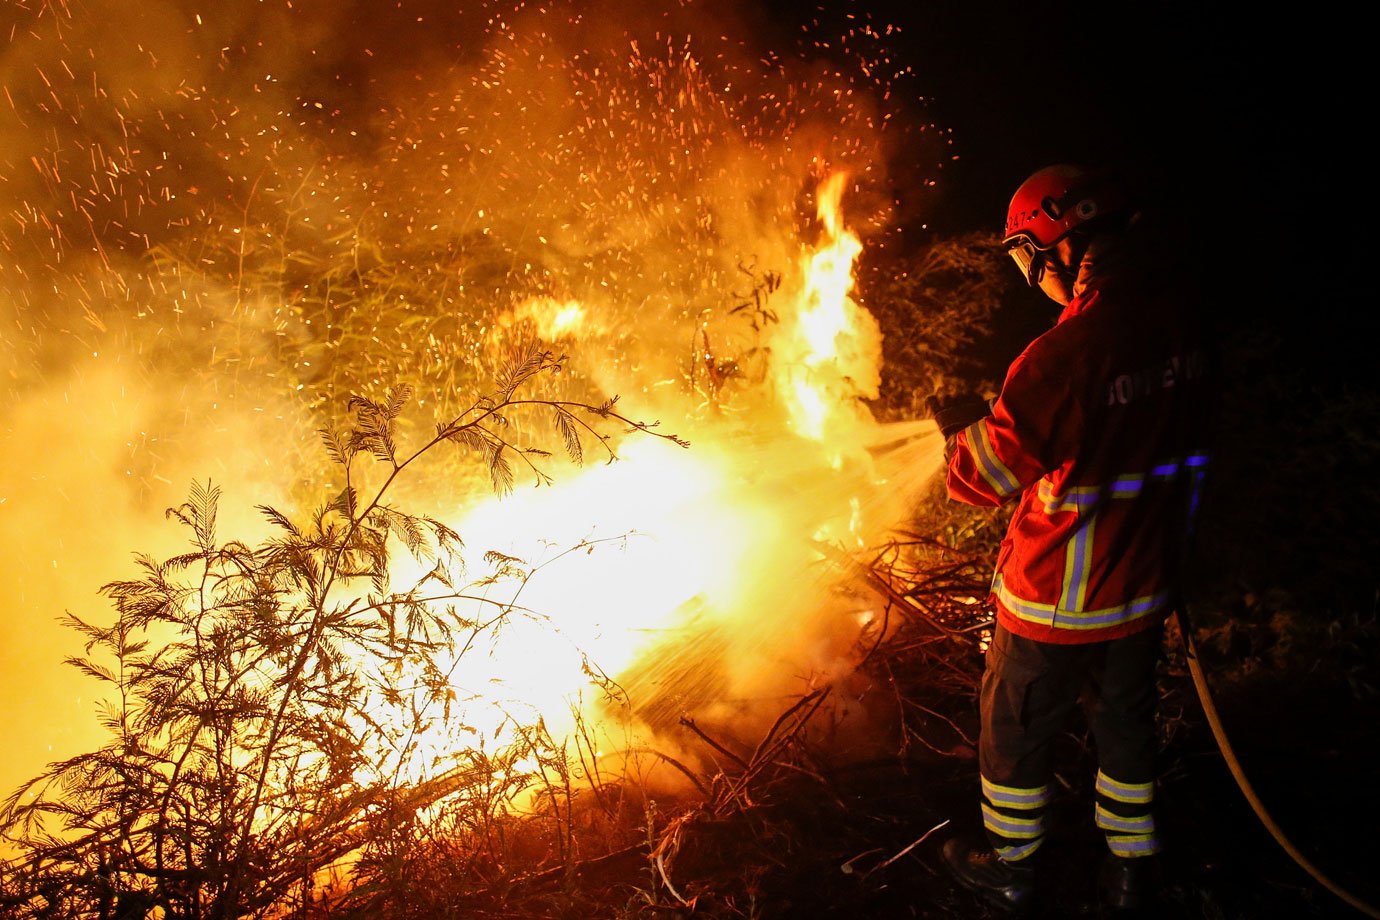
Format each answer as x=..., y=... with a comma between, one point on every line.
x=710, y=548
x=211, y=250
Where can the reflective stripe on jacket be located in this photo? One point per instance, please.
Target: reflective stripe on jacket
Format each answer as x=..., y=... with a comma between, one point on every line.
x=1099, y=434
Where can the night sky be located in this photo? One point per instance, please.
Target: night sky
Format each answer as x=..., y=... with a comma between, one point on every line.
x=1239, y=123
x=1243, y=127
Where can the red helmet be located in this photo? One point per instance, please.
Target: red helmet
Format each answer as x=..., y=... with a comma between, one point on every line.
x=1050, y=205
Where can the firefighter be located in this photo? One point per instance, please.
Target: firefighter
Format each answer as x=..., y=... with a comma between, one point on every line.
x=1097, y=436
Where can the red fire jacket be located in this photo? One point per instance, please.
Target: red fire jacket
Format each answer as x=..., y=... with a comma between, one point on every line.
x=1100, y=432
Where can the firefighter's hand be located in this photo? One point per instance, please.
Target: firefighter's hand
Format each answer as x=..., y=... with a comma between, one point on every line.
x=954, y=413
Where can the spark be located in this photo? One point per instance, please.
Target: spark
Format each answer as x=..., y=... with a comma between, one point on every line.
x=242, y=234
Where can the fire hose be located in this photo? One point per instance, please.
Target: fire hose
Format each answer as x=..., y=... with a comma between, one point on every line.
x=1234, y=765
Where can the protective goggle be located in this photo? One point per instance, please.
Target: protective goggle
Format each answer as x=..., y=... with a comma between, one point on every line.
x=1030, y=260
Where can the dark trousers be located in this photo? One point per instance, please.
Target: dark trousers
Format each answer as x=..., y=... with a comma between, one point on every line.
x=1029, y=692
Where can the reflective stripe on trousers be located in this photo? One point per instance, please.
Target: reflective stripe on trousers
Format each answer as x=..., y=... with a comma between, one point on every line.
x=1029, y=692
x=1014, y=818
x=1123, y=812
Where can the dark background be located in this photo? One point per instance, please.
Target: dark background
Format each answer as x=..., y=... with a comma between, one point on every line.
x=1239, y=122
x=1240, y=126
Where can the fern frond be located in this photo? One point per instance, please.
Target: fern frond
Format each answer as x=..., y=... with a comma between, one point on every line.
x=500, y=471
x=499, y=559
x=204, y=501
x=570, y=434
x=446, y=537
x=521, y=370
x=345, y=502
x=604, y=409
x=337, y=448
x=358, y=404
x=277, y=517
x=440, y=573
x=91, y=669
x=181, y=561
x=470, y=437
x=405, y=526
x=397, y=399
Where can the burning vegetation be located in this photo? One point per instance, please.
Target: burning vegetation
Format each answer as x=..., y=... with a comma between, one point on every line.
x=229, y=224
x=552, y=543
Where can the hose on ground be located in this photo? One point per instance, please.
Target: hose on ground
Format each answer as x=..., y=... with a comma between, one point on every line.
x=1229, y=755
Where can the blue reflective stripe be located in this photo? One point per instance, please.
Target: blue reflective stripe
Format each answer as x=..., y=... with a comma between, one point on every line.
x=1077, y=567
x=1110, y=821
x=1008, y=826
x=1138, y=845
x=1128, y=485
x=1131, y=793
x=1068, y=501
x=1014, y=796
x=1193, y=498
x=1017, y=853
x=1001, y=479
x=1062, y=618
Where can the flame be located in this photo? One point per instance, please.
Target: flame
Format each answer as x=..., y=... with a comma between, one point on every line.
x=223, y=274
x=553, y=320
x=614, y=555
x=833, y=350
x=668, y=545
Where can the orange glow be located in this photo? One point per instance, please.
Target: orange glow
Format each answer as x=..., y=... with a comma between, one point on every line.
x=214, y=242
x=670, y=543
x=553, y=319
x=833, y=349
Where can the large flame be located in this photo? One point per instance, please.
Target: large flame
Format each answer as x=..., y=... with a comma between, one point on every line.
x=705, y=554
x=832, y=352
x=210, y=243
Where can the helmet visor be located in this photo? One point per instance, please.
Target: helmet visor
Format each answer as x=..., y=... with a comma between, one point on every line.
x=1028, y=259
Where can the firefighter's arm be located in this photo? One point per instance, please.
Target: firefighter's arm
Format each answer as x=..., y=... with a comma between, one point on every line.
x=1031, y=431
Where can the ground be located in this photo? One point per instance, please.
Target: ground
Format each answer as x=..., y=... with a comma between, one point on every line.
x=841, y=844
x=819, y=834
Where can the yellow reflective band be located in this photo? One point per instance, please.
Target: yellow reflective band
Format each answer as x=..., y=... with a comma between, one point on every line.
x=1133, y=845
x=1060, y=617
x=1072, y=500
x=1017, y=853
x=1128, y=485
x=1078, y=568
x=1130, y=793
x=1111, y=821
x=1015, y=796
x=1054, y=502
x=998, y=476
x=1008, y=826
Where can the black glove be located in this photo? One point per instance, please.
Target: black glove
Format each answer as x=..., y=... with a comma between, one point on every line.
x=954, y=413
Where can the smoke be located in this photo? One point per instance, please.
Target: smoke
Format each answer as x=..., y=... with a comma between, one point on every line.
x=217, y=222
x=115, y=394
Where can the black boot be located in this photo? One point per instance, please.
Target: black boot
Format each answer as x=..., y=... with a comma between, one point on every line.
x=1010, y=886
x=1130, y=885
